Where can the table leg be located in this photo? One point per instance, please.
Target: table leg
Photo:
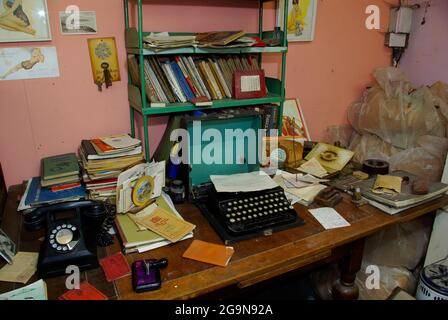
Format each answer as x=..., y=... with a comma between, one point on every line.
x=345, y=287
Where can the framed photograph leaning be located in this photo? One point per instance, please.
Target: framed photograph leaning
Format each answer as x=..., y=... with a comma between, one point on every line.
x=301, y=19
x=294, y=124
x=24, y=20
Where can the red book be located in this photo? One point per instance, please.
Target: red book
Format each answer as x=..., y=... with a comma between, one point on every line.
x=186, y=76
x=66, y=187
x=85, y=292
x=115, y=267
x=102, y=146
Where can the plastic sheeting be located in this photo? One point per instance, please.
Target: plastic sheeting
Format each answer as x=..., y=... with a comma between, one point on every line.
x=406, y=127
x=339, y=134
x=369, y=146
x=401, y=245
x=395, y=112
x=390, y=278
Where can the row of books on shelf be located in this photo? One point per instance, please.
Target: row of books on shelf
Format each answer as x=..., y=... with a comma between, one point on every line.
x=189, y=78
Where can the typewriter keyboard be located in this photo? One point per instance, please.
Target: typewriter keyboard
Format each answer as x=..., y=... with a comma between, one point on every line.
x=254, y=211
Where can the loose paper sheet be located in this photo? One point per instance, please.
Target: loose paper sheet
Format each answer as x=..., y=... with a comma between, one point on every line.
x=34, y=291
x=314, y=168
x=244, y=182
x=23, y=266
x=329, y=218
x=307, y=194
x=120, y=141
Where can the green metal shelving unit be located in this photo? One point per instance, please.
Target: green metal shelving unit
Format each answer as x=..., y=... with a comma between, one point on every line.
x=137, y=98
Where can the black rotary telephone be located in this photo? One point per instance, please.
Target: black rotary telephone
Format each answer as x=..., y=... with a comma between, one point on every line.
x=71, y=235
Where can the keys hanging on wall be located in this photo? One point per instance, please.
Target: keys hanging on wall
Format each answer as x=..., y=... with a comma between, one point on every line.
x=107, y=77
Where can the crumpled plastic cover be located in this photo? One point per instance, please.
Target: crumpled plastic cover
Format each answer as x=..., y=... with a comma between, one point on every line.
x=395, y=112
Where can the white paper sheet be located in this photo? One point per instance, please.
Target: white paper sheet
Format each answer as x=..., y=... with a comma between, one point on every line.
x=329, y=218
x=121, y=141
x=313, y=167
x=244, y=182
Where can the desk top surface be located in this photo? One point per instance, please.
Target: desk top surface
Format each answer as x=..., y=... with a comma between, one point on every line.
x=253, y=261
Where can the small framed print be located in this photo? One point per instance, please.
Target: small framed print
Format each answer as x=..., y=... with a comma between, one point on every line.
x=294, y=124
x=24, y=20
x=87, y=23
x=249, y=84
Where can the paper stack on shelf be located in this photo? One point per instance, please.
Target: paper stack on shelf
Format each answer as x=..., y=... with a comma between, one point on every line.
x=164, y=40
x=103, y=159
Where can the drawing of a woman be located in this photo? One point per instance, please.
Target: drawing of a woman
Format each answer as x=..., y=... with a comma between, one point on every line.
x=13, y=18
x=296, y=19
x=36, y=57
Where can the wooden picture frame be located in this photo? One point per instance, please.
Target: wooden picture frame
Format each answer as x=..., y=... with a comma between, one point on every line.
x=24, y=20
x=249, y=84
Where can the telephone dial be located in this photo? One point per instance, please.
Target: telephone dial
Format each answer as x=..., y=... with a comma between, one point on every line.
x=71, y=235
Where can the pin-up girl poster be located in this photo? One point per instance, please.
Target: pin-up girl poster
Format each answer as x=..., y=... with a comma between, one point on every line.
x=301, y=19
x=24, y=20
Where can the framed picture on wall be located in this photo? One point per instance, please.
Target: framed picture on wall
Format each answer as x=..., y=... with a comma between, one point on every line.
x=301, y=19
x=294, y=124
x=87, y=23
x=24, y=20
x=28, y=63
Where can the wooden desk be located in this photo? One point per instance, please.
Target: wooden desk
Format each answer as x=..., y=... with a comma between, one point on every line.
x=254, y=260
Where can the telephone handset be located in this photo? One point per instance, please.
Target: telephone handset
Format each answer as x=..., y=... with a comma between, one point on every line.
x=70, y=238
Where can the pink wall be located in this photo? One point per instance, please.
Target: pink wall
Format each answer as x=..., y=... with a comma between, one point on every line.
x=45, y=117
x=425, y=61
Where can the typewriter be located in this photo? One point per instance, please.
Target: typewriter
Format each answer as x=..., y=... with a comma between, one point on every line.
x=241, y=216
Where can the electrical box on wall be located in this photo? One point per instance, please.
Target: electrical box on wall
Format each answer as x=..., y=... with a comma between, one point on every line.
x=397, y=40
x=401, y=20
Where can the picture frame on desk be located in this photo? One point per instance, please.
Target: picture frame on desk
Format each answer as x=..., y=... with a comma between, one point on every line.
x=249, y=84
x=294, y=124
x=24, y=20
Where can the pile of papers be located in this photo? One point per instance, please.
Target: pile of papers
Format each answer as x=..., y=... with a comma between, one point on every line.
x=103, y=159
x=299, y=188
x=215, y=39
x=128, y=179
x=165, y=41
x=137, y=238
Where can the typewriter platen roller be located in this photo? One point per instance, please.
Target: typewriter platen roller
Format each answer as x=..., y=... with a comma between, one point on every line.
x=240, y=216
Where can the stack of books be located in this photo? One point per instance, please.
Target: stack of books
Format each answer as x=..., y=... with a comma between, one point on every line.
x=37, y=196
x=103, y=159
x=186, y=78
x=60, y=172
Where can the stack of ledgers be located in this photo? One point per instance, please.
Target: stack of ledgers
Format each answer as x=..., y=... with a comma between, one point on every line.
x=103, y=159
